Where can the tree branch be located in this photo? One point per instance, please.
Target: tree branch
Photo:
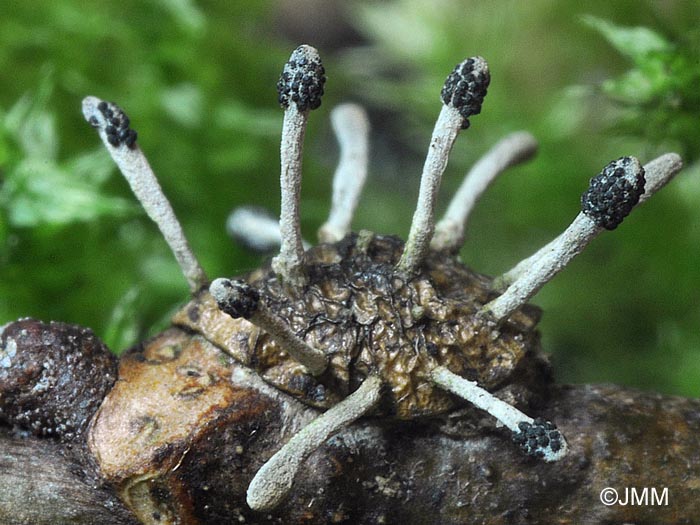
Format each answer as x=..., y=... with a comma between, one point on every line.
x=452, y=470
x=44, y=483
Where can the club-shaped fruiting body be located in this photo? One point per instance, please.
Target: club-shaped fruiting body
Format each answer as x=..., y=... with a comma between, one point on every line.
x=541, y=439
x=465, y=88
x=302, y=79
x=657, y=173
x=300, y=89
x=366, y=324
x=113, y=127
x=239, y=299
x=351, y=127
x=613, y=193
x=609, y=198
x=462, y=95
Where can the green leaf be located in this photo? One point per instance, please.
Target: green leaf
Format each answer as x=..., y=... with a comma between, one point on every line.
x=636, y=43
x=234, y=115
x=40, y=192
x=184, y=103
x=633, y=87
x=123, y=327
x=31, y=125
x=186, y=14
x=94, y=167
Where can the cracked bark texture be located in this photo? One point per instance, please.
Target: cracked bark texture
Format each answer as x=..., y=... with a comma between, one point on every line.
x=454, y=469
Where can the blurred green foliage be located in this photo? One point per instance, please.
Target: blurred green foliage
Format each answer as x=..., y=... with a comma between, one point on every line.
x=74, y=245
x=592, y=81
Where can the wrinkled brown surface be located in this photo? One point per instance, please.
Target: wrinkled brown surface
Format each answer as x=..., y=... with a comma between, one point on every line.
x=369, y=319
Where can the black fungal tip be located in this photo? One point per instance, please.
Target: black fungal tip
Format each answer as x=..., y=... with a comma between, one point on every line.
x=539, y=439
x=117, y=124
x=613, y=193
x=465, y=88
x=235, y=298
x=302, y=80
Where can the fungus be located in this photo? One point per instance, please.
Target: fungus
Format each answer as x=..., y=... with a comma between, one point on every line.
x=112, y=124
x=239, y=299
x=275, y=478
x=521, y=425
x=300, y=88
x=609, y=198
x=657, y=174
x=462, y=95
x=403, y=352
x=351, y=127
x=509, y=151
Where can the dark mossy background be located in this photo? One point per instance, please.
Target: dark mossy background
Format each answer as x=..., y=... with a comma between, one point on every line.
x=197, y=79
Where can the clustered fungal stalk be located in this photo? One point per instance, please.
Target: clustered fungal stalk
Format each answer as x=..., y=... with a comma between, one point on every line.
x=113, y=127
x=462, y=96
x=511, y=150
x=351, y=127
x=378, y=285
x=239, y=299
x=300, y=89
x=608, y=200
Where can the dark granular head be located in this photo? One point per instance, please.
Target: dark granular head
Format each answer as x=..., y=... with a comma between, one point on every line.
x=540, y=439
x=236, y=298
x=117, y=125
x=302, y=79
x=613, y=193
x=465, y=88
x=53, y=377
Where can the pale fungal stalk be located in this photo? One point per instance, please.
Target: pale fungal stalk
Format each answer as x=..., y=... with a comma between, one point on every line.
x=657, y=174
x=351, y=127
x=536, y=437
x=113, y=127
x=239, y=299
x=275, y=478
x=608, y=200
x=462, y=96
x=255, y=229
x=511, y=150
x=300, y=89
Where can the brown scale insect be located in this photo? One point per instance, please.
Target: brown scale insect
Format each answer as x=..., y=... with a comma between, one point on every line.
x=359, y=325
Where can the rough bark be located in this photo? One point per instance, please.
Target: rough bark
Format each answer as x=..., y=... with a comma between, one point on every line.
x=454, y=470
x=44, y=483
